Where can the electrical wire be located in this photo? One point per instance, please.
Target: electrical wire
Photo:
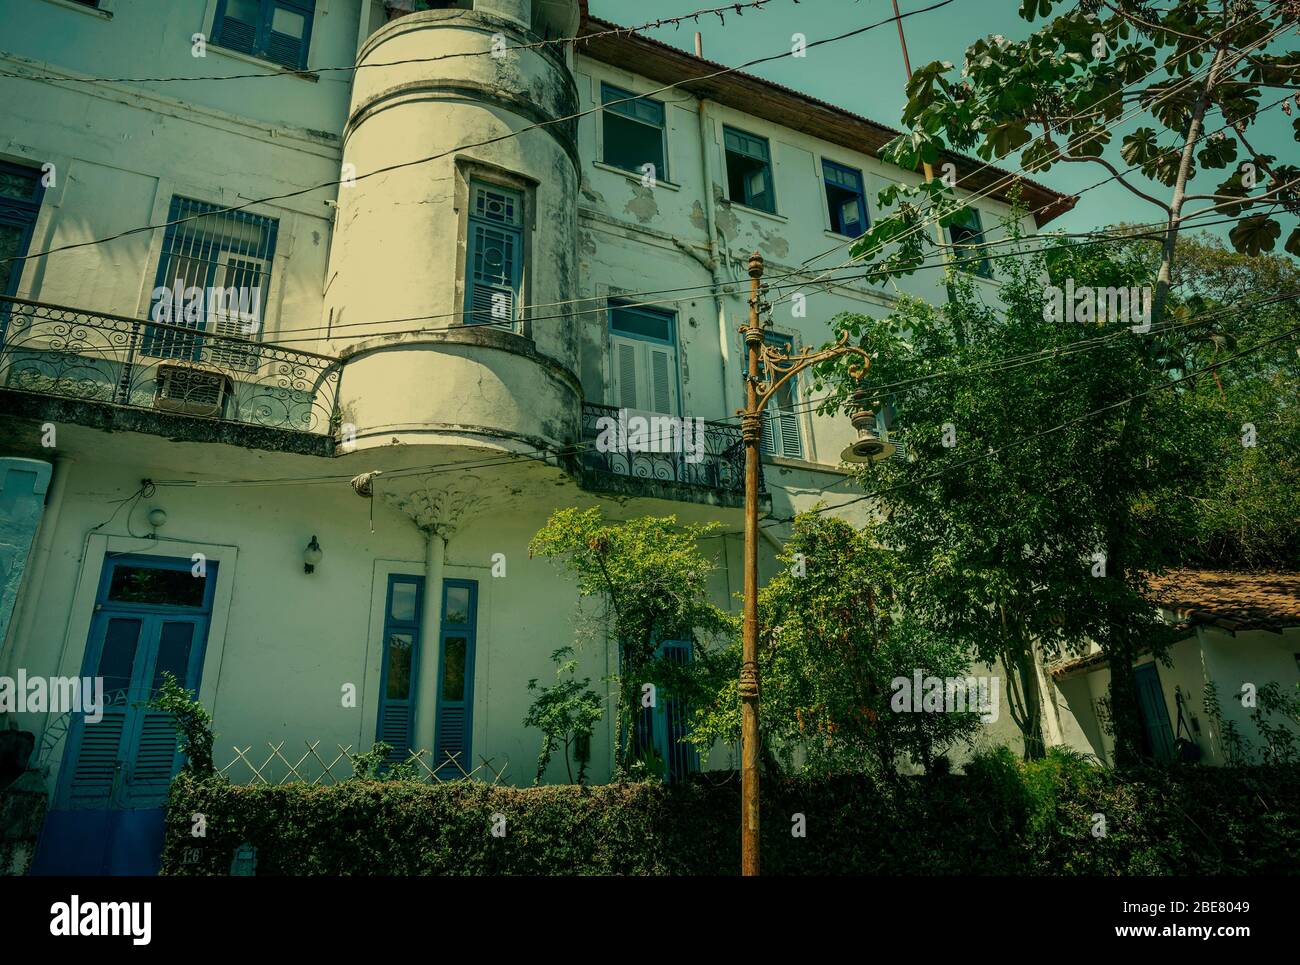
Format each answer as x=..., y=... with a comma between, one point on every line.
x=461, y=147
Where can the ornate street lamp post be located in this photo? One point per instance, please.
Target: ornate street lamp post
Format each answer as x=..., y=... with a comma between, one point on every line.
x=770, y=368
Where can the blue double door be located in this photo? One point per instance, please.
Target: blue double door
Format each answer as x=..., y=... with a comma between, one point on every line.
x=151, y=618
x=454, y=715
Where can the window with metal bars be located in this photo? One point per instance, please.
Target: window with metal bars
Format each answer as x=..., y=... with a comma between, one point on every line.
x=494, y=268
x=214, y=275
x=274, y=30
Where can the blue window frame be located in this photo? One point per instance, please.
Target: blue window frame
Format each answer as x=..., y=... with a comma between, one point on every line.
x=968, y=229
x=659, y=732
x=846, y=201
x=633, y=131
x=20, y=203
x=453, y=729
x=209, y=250
x=274, y=30
x=494, y=269
x=151, y=616
x=749, y=170
x=403, y=604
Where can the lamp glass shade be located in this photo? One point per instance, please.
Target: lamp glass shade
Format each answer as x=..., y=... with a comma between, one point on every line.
x=868, y=449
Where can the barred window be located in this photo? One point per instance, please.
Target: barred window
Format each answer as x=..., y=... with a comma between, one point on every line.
x=213, y=276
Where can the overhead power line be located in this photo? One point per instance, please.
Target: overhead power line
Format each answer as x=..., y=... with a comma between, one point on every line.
x=695, y=15
x=857, y=31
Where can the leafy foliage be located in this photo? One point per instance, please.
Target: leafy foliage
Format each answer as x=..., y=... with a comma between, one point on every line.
x=566, y=713
x=1000, y=817
x=1054, y=96
x=653, y=578
x=832, y=641
x=996, y=519
x=193, y=724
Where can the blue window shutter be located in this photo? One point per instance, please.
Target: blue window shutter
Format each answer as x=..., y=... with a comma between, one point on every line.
x=494, y=256
x=249, y=27
x=455, y=699
x=680, y=757
x=401, y=660
x=234, y=32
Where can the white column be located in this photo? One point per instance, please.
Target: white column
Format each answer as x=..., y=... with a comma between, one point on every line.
x=426, y=687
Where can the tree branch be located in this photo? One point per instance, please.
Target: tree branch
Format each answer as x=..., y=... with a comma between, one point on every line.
x=1119, y=177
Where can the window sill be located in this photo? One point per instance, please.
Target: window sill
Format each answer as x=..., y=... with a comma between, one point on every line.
x=269, y=65
x=785, y=462
x=839, y=237
x=101, y=13
x=758, y=211
x=635, y=176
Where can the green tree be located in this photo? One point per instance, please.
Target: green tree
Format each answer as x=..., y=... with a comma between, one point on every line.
x=1054, y=97
x=1248, y=507
x=566, y=713
x=1022, y=542
x=653, y=579
x=833, y=642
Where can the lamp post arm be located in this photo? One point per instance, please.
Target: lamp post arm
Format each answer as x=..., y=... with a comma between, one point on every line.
x=785, y=367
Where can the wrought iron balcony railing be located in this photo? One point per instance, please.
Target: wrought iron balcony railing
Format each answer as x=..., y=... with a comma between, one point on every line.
x=77, y=354
x=717, y=464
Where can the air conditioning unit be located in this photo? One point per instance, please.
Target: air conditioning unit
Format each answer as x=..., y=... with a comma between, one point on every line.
x=193, y=391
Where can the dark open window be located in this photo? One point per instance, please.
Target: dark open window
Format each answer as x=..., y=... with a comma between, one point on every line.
x=633, y=131
x=845, y=199
x=968, y=230
x=749, y=170
x=20, y=202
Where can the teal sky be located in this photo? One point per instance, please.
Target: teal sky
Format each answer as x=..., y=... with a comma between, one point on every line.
x=865, y=74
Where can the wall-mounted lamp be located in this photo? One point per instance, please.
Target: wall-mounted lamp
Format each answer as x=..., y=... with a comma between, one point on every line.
x=157, y=519
x=311, y=556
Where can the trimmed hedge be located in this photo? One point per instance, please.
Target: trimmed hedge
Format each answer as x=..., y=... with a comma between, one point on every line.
x=1000, y=817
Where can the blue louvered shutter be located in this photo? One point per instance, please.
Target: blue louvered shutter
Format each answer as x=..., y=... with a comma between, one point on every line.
x=401, y=651
x=494, y=269
x=452, y=729
x=237, y=25
x=129, y=757
x=680, y=758
x=288, y=30
x=780, y=421
x=152, y=756
x=277, y=30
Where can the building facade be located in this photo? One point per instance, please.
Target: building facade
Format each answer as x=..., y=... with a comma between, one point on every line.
x=296, y=357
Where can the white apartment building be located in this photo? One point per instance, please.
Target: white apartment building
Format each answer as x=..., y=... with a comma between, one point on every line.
x=462, y=254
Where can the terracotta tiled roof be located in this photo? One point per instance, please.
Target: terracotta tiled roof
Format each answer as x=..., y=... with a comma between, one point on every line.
x=1220, y=598
x=1233, y=601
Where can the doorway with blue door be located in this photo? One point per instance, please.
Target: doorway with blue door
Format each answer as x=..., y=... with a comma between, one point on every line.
x=151, y=617
x=1158, y=736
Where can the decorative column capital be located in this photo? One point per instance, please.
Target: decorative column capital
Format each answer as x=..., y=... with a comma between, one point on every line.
x=438, y=509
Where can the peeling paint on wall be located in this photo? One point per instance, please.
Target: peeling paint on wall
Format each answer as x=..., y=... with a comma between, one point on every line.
x=772, y=243
x=642, y=205
x=592, y=195
x=697, y=216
